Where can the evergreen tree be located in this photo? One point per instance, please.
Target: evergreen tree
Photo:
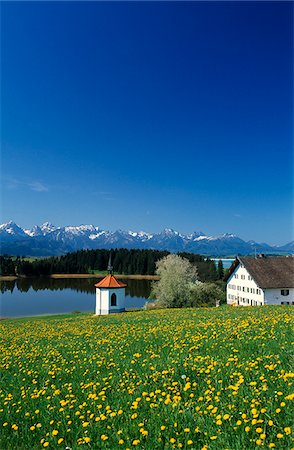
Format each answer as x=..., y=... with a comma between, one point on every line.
x=220, y=270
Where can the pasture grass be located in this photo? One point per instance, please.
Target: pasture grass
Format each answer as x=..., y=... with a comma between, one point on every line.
x=216, y=379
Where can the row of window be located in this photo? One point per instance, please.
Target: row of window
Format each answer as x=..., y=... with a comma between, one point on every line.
x=287, y=303
x=245, y=289
x=243, y=277
x=244, y=301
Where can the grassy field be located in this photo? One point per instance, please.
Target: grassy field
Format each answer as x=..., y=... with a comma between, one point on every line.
x=193, y=379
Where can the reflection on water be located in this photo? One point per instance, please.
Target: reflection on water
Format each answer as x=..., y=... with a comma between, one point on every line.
x=33, y=296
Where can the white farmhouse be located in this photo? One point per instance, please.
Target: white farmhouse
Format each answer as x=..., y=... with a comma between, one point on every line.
x=110, y=296
x=261, y=281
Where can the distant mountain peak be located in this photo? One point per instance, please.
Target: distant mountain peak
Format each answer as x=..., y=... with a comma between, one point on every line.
x=48, y=239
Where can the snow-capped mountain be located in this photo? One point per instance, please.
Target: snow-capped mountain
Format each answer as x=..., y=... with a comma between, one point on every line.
x=48, y=239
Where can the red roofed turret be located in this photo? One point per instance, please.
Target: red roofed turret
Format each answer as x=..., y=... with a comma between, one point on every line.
x=110, y=282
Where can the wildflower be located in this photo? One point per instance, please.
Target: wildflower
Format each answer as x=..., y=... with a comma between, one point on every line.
x=60, y=440
x=104, y=437
x=287, y=430
x=172, y=440
x=87, y=439
x=162, y=427
x=46, y=444
x=54, y=432
x=136, y=442
x=189, y=442
x=121, y=441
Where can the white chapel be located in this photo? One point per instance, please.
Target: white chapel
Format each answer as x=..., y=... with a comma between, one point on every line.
x=110, y=294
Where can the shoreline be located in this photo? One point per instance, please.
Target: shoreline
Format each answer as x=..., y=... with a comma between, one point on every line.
x=82, y=275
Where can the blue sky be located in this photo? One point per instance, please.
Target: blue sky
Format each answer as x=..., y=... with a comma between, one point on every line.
x=149, y=115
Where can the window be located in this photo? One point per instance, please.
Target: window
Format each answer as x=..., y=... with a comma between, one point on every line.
x=113, y=300
x=253, y=291
x=285, y=292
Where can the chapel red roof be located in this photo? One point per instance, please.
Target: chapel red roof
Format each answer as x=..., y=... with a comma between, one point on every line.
x=110, y=282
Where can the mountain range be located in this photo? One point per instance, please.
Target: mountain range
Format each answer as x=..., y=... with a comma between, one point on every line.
x=49, y=240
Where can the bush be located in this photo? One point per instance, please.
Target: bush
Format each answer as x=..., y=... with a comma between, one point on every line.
x=206, y=294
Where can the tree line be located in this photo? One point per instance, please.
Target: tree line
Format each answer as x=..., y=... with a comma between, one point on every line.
x=127, y=262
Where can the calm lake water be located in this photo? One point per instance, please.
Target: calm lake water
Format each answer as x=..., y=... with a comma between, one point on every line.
x=227, y=262
x=35, y=296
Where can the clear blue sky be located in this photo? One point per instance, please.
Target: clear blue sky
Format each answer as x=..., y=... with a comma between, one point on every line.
x=149, y=115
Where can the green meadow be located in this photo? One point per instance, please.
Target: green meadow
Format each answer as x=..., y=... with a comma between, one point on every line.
x=218, y=378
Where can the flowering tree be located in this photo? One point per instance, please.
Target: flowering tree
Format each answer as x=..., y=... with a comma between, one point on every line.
x=176, y=276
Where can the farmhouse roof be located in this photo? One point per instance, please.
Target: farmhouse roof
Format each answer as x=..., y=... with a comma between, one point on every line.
x=272, y=272
x=110, y=282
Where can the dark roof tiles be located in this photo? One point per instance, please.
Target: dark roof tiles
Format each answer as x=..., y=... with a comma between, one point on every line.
x=272, y=272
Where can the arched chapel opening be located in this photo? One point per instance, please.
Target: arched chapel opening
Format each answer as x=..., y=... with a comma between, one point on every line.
x=113, y=300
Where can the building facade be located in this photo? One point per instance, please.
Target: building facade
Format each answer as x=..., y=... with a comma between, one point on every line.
x=261, y=281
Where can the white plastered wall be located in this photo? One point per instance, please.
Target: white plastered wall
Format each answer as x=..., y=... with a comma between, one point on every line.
x=274, y=297
x=103, y=301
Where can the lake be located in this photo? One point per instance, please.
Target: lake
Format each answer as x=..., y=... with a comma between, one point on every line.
x=37, y=296
x=227, y=262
